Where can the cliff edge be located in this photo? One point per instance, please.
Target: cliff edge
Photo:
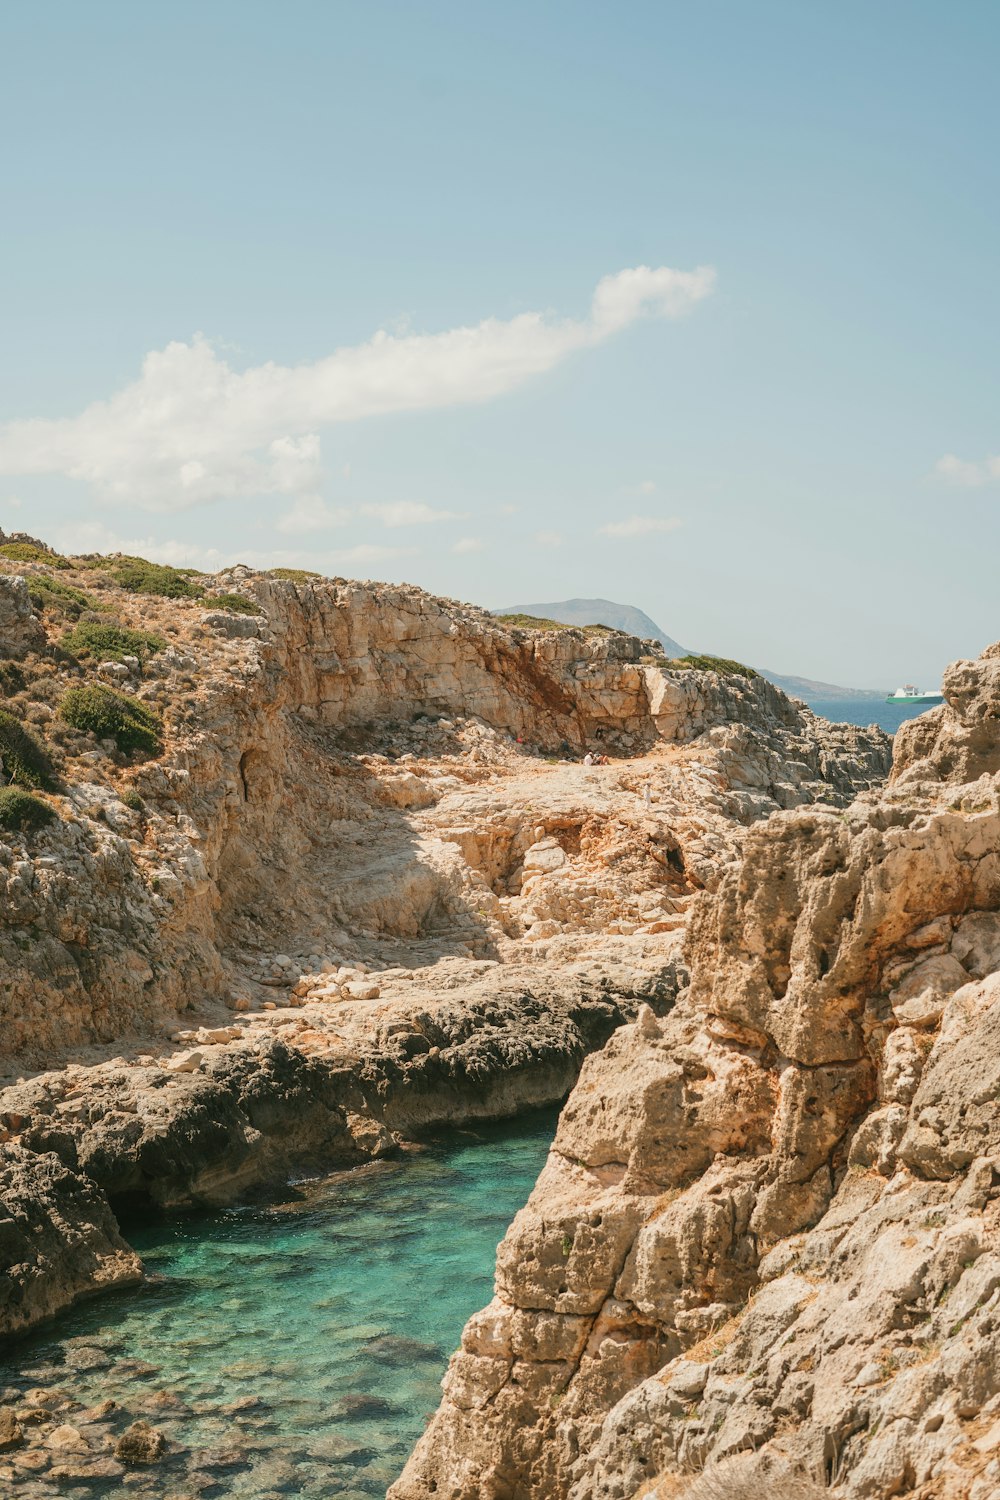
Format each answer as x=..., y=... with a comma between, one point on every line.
x=766, y=1244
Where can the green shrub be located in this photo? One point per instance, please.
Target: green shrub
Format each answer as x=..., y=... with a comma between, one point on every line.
x=29, y=552
x=293, y=575
x=239, y=604
x=112, y=716
x=12, y=678
x=139, y=576
x=53, y=594
x=539, y=622
x=24, y=759
x=721, y=664
x=21, y=812
x=132, y=799
x=111, y=642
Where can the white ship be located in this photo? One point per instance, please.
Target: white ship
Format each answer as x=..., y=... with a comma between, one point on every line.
x=910, y=694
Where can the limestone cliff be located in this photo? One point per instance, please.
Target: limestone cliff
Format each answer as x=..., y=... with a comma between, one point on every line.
x=281, y=816
x=344, y=878
x=769, y=1220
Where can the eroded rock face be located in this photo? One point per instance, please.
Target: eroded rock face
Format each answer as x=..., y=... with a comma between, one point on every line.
x=20, y=630
x=771, y=1219
x=59, y=1240
x=371, y=840
x=286, y=810
x=332, y=1083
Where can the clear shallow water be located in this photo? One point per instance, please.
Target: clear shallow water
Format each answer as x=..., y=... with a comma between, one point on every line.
x=865, y=711
x=335, y=1315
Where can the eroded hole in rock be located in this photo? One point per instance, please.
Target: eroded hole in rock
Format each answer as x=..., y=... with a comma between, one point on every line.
x=135, y=1209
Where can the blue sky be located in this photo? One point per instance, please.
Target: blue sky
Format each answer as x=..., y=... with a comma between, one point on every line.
x=777, y=439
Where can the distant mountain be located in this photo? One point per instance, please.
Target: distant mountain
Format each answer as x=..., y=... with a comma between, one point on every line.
x=636, y=622
x=601, y=612
x=822, y=692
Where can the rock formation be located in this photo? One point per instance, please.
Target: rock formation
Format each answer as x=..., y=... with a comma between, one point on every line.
x=768, y=1221
x=300, y=746
x=363, y=885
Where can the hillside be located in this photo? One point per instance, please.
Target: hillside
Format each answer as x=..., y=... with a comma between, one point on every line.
x=636, y=622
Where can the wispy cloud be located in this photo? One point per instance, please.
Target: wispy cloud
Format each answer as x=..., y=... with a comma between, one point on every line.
x=94, y=536
x=963, y=472
x=549, y=538
x=311, y=513
x=409, y=513
x=468, y=544
x=191, y=429
x=640, y=526
x=647, y=487
x=78, y=537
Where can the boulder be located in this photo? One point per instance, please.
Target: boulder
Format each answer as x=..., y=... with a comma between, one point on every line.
x=140, y=1444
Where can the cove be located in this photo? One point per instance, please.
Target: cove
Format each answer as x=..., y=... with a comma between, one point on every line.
x=294, y=1350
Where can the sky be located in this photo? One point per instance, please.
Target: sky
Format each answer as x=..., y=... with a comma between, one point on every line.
x=689, y=307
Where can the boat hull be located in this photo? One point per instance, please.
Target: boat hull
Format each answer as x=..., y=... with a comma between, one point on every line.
x=915, y=698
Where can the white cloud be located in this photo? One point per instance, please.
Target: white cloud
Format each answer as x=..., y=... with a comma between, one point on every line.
x=79, y=537
x=191, y=429
x=311, y=513
x=961, y=471
x=94, y=536
x=468, y=544
x=640, y=526
x=409, y=513
x=549, y=538
x=647, y=487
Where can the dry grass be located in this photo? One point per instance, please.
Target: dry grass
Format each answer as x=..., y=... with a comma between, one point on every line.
x=747, y=1476
x=713, y=1344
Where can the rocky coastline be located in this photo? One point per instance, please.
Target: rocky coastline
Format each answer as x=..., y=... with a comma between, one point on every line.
x=364, y=888
x=765, y=1246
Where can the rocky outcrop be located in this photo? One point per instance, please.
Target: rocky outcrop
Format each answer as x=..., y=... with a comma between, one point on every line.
x=375, y=879
x=20, y=629
x=769, y=1219
x=59, y=1240
x=279, y=816
x=331, y=1084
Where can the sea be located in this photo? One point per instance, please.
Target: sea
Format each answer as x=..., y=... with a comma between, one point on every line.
x=864, y=711
x=298, y=1349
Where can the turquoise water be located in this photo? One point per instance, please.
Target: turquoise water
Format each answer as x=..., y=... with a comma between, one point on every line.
x=305, y=1342
x=867, y=711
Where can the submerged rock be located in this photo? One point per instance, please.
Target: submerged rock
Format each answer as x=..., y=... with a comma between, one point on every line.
x=11, y=1432
x=140, y=1443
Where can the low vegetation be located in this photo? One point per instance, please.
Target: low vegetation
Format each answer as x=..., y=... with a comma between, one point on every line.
x=31, y=552
x=721, y=664
x=20, y=812
x=138, y=576
x=111, y=642
x=538, y=622
x=293, y=575
x=12, y=678
x=112, y=716
x=237, y=604
x=25, y=759
x=55, y=596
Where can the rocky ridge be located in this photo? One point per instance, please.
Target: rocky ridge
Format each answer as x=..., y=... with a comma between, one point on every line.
x=768, y=1225
x=300, y=745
